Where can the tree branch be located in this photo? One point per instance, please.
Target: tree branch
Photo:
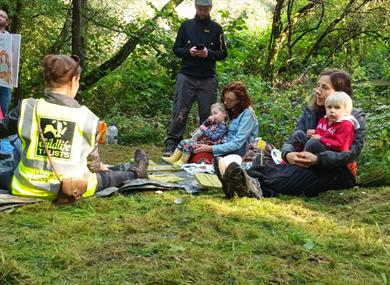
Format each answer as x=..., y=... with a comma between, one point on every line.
x=312, y=29
x=101, y=71
x=63, y=37
x=374, y=34
x=317, y=44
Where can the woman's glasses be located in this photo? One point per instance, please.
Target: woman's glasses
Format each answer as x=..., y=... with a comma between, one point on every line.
x=229, y=100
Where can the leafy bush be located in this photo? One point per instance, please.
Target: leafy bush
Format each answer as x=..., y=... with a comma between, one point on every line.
x=139, y=130
x=375, y=158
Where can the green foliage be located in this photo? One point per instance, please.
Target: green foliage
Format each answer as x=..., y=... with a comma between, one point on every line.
x=375, y=159
x=137, y=96
x=138, y=130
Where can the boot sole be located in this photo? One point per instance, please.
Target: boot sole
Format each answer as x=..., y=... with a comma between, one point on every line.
x=225, y=188
x=166, y=159
x=237, y=182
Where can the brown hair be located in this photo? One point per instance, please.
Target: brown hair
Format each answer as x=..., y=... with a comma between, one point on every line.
x=239, y=89
x=60, y=69
x=341, y=81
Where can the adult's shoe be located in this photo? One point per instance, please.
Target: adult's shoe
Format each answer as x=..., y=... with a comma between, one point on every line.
x=240, y=182
x=141, y=162
x=219, y=169
x=169, y=148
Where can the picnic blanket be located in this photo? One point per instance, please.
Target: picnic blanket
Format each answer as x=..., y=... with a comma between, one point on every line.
x=162, y=177
x=8, y=201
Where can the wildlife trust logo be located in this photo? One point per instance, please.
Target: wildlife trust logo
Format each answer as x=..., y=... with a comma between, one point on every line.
x=58, y=135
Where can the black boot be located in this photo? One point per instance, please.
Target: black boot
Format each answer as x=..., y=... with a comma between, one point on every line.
x=221, y=178
x=241, y=183
x=170, y=147
x=141, y=162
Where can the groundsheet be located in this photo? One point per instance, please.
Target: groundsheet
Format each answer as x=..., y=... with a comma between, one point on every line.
x=162, y=178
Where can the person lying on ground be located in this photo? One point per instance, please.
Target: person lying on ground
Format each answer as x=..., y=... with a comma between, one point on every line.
x=69, y=130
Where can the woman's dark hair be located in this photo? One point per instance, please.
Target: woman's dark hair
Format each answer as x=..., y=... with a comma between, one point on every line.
x=239, y=89
x=59, y=69
x=341, y=80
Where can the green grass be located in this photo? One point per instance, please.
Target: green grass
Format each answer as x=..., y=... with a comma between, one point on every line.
x=144, y=238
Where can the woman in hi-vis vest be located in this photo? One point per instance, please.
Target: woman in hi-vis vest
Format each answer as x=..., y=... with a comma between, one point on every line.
x=69, y=130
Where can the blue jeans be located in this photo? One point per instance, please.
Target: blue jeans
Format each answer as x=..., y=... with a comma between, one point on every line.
x=5, y=99
x=302, y=142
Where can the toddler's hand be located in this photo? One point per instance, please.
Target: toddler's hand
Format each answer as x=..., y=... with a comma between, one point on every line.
x=203, y=128
x=310, y=132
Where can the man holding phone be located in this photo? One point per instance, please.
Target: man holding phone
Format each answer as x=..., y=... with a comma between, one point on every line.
x=199, y=43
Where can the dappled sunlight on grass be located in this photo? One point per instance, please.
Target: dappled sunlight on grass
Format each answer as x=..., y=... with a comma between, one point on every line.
x=145, y=238
x=318, y=226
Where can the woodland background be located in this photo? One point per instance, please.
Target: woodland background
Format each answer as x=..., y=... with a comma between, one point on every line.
x=277, y=48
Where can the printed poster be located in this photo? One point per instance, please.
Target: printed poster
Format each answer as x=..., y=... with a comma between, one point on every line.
x=9, y=59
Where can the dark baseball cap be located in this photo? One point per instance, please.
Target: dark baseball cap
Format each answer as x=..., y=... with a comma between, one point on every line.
x=203, y=3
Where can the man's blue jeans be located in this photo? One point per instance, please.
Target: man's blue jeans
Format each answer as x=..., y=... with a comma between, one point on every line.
x=5, y=99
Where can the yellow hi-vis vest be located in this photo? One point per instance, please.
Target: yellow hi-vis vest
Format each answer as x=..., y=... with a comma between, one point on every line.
x=70, y=137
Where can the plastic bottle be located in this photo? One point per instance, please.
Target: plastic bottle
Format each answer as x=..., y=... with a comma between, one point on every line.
x=197, y=134
x=261, y=145
x=112, y=135
x=102, y=128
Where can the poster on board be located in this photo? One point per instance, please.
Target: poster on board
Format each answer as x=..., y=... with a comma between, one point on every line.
x=9, y=59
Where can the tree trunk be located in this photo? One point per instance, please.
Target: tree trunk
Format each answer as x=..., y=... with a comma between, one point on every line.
x=16, y=25
x=276, y=29
x=105, y=68
x=289, y=32
x=64, y=34
x=76, y=29
x=14, y=29
x=279, y=36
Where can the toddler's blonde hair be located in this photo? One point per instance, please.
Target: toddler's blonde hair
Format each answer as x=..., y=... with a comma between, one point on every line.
x=220, y=107
x=340, y=98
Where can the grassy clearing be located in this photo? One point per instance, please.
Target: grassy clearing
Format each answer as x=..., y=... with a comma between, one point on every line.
x=144, y=238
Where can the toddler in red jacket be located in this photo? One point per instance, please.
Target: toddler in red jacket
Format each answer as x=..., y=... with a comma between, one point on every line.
x=335, y=131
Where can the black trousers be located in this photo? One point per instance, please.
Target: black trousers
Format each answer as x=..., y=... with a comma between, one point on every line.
x=187, y=90
x=295, y=180
x=113, y=178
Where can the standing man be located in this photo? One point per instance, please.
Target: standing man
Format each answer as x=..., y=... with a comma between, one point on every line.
x=199, y=43
x=5, y=93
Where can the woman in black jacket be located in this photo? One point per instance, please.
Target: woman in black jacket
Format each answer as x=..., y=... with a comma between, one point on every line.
x=304, y=173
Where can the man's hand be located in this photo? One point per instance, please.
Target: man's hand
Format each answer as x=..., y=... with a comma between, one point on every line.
x=316, y=137
x=204, y=53
x=199, y=53
x=203, y=148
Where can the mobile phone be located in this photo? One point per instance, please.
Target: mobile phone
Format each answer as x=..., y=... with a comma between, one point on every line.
x=199, y=46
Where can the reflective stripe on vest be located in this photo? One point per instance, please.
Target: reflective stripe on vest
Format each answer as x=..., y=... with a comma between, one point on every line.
x=70, y=137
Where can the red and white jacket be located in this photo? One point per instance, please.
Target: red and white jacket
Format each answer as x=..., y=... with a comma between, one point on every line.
x=339, y=135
